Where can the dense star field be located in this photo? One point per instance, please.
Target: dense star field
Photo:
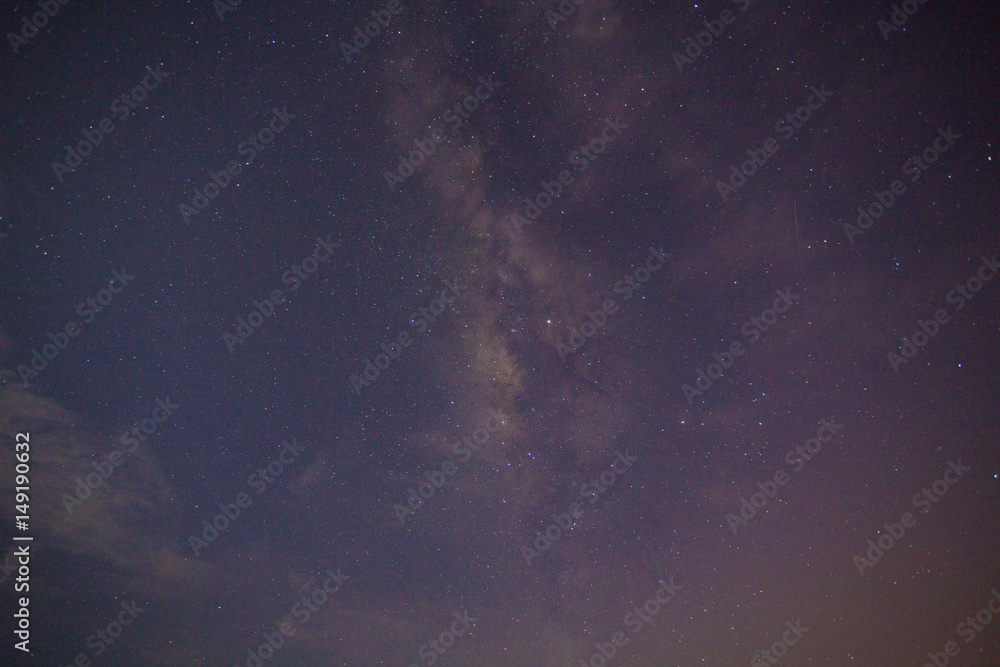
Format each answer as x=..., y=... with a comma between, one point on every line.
x=559, y=333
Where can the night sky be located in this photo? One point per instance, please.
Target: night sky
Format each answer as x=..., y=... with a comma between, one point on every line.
x=500, y=334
